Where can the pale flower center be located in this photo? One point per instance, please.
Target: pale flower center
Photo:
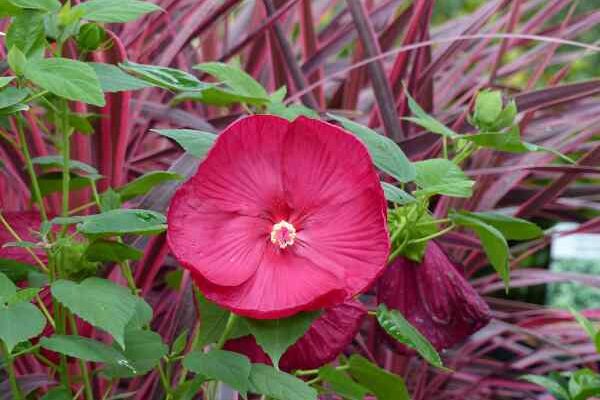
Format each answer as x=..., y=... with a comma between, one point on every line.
x=283, y=234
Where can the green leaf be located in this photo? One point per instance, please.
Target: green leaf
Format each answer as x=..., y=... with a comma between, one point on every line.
x=550, y=385
x=213, y=320
x=291, y=112
x=145, y=183
x=394, y=323
x=113, y=79
x=385, y=385
x=216, y=96
x=488, y=106
x=83, y=348
x=5, y=80
x=493, y=242
x=506, y=117
x=7, y=9
x=100, y=302
x=512, y=228
x=235, y=78
x=7, y=288
x=51, y=182
x=427, y=121
x=144, y=350
x=142, y=314
x=16, y=60
x=275, y=336
x=588, y=326
x=278, y=385
x=386, y=154
x=179, y=343
x=231, y=368
x=111, y=251
x=46, y=5
x=58, y=393
x=342, y=384
x=11, y=96
x=166, y=78
x=115, y=10
x=57, y=162
x=20, y=322
x=14, y=270
x=189, y=389
x=440, y=176
x=509, y=141
x=23, y=296
x=396, y=195
x=584, y=384
x=71, y=79
x=123, y=221
x=27, y=33
x=110, y=200
x=196, y=143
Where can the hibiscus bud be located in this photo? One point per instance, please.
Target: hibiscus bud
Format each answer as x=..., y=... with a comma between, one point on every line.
x=90, y=37
x=434, y=297
x=326, y=338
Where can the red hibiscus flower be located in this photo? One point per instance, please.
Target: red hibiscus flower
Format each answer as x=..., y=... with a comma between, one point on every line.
x=326, y=338
x=24, y=223
x=281, y=217
x=434, y=297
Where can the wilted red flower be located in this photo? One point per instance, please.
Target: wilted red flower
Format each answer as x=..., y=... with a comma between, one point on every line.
x=326, y=338
x=434, y=297
x=24, y=223
x=281, y=217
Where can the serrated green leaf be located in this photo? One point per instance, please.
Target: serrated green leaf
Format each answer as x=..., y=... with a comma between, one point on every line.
x=15, y=270
x=493, y=243
x=231, y=368
x=212, y=320
x=341, y=384
x=113, y=79
x=5, y=80
x=144, y=350
x=278, y=385
x=196, y=143
x=51, y=182
x=512, y=228
x=20, y=322
x=277, y=335
x=166, y=78
x=7, y=289
x=115, y=10
x=235, y=78
x=146, y=183
x=386, y=154
x=100, y=302
x=291, y=112
x=385, y=385
x=83, y=348
x=46, y=5
x=440, y=176
x=27, y=33
x=394, y=323
x=396, y=195
x=11, y=96
x=57, y=162
x=216, y=96
x=110, y=200
x=179, y=343
x=584, y=384
x=111, y=251
x=122, y=222
x=23, y=296
x=427, y=121
x=71, y=79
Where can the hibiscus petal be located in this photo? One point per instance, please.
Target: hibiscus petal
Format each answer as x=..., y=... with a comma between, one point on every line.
x=283, y=285
x=242, y=171
x=226, y=248
x=324, y=165
x=350, y=238
x=434, y=297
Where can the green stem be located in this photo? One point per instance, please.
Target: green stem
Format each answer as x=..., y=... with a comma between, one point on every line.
x=37, y=193
x=66, y=171
x=165, y=381
x=89, y=393
x=231, y=321
x=465, y=153
x=433, y=236
x=12, y=376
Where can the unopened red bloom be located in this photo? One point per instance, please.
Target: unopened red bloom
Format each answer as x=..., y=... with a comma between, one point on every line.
x=326, y=338
x=281, y=217
x=24, y=223
x=434, y=297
